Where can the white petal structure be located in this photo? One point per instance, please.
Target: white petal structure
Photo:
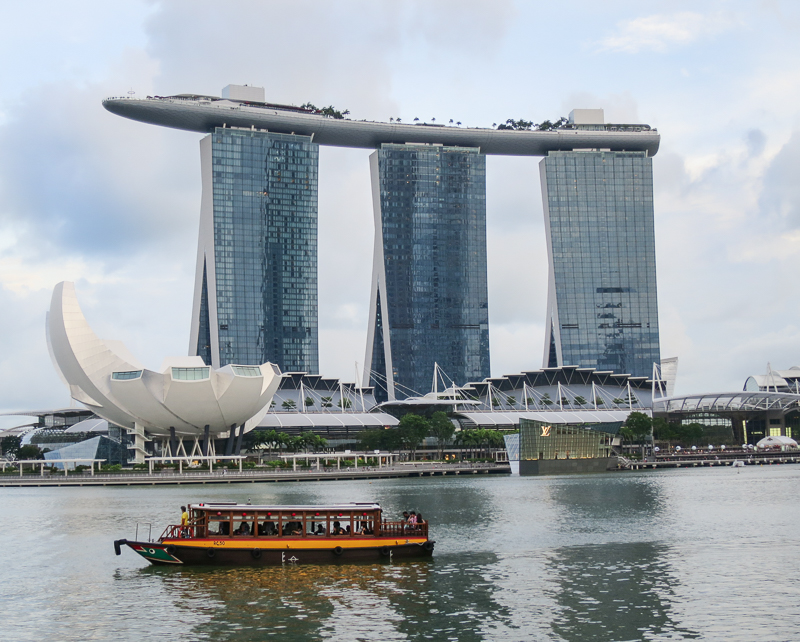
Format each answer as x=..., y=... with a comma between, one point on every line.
x=186, y=399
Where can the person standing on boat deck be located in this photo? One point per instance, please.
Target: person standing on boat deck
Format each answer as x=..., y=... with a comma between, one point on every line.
x=184, y=521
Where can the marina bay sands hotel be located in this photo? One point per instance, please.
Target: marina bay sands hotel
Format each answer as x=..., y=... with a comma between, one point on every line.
x=255, y=296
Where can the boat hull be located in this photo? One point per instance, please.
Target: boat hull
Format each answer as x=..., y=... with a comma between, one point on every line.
x=277, y=553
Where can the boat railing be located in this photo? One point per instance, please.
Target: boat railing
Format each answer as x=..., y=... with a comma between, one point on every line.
x=404, y=529
x=149, y=531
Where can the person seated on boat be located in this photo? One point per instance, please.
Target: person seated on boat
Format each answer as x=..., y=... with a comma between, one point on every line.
x=364, y=529
x=244, y=529
x=320, y=532
x=337, y=529
x=347, y=530
x=267, y=529
x=224, y=528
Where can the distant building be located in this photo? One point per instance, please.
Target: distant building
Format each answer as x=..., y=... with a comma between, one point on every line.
x=602, y=308
x=255, y=295
x=429, y=299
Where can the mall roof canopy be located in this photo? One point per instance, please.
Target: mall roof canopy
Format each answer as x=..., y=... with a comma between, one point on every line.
x=731, y=403
x=313, y=420
x=491, y=419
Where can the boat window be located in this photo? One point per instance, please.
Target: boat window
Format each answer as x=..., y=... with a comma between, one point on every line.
x=291, y=524
x=219, y=523
x=243, y=525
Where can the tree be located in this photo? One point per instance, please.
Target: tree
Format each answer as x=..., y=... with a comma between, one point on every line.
x=327, y=402
x=10, y=446
x=546, y=400
x=344, y=403
x=289, y=404
x=30, y=451
x=308, y=401
x=412, y=430
x=512, y=400
x=442, y=429
x=580, y=401
x=637, y=426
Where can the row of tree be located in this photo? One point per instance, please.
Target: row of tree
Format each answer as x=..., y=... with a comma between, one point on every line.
x=545, y=125
x=413, y=429
x=12, y=447
x=638, y=426
x=273, y=440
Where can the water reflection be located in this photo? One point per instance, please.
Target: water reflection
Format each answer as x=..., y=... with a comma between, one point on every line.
x=407, y=601
x=614, y=592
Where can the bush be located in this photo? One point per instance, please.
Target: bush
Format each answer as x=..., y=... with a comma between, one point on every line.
x=113, y=468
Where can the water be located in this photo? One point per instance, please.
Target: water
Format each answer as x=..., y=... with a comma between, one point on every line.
x=705, y=554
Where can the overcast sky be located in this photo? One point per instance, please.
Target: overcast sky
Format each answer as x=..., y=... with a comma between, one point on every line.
x=113, y=205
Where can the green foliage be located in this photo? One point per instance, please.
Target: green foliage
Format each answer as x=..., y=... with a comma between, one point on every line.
x=516, y=124
x=327, y=402
x=344, y=402
x=30, y=451
x=330, y=111
x=412, y=430
x=637, y=426
x=512, y=400
x=289, y=404
x=479, y=439
x=546, y=400
x=379, y=439
x=309, y=402
x=10, y=446
x=442, y=429
x=113, y=468
x=580, y=401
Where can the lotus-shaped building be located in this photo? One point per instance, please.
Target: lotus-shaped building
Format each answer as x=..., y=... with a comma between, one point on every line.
x=186, y=399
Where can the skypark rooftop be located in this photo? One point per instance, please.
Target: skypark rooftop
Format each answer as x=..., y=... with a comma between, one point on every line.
x=203, y=114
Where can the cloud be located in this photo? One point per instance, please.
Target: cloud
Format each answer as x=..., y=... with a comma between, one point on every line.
x=780, y=200
x=660, y=31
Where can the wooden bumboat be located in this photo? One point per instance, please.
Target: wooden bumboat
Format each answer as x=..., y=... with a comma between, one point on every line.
x=243, y=534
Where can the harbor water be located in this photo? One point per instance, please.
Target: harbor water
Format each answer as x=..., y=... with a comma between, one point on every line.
x=708, y=554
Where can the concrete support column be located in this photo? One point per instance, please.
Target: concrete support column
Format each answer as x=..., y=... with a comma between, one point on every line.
x=139, y=441
x=239, y=440
x=206, y=439
x=231, y=438
x=173, y=442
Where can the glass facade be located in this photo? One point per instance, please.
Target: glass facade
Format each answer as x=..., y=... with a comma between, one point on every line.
x=431, y=283
x=602, y=305
x=541, y=440
x=264, y=190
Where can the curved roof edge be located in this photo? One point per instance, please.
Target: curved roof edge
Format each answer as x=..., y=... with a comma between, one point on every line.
x=204, y=114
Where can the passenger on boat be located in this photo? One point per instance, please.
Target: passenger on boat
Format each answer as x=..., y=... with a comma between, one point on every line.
x=320, y=530
x=244, y=529
x=337, y=529
x=224, y=528
x=184, y=522
x=364, y=529
x=267, y=529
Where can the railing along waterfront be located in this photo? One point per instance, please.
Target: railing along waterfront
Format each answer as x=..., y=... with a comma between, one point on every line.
x=231, y=476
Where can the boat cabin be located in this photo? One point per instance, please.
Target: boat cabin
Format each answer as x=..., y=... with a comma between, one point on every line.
x=231, y=520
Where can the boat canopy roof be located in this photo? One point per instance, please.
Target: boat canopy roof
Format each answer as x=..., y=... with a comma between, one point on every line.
x=217, y=506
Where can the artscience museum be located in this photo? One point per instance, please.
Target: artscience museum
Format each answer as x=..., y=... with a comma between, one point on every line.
x=186, y=405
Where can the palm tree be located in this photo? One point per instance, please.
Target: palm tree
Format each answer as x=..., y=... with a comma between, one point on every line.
x=458, y=123
x=451, y=121
x=416, y=119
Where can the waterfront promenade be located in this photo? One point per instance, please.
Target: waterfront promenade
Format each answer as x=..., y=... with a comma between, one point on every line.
x=168, y=477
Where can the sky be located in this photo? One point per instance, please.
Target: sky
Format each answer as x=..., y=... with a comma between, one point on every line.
x=113, y=205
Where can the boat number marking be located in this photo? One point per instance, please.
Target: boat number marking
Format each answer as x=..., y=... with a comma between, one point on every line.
x=218, y=542
x=293, y=559
x=283, y=557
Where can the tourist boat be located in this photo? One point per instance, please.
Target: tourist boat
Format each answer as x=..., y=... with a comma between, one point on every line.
x=244, y=534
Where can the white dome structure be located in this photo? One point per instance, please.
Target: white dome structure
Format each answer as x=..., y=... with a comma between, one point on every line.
x=186, y=398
